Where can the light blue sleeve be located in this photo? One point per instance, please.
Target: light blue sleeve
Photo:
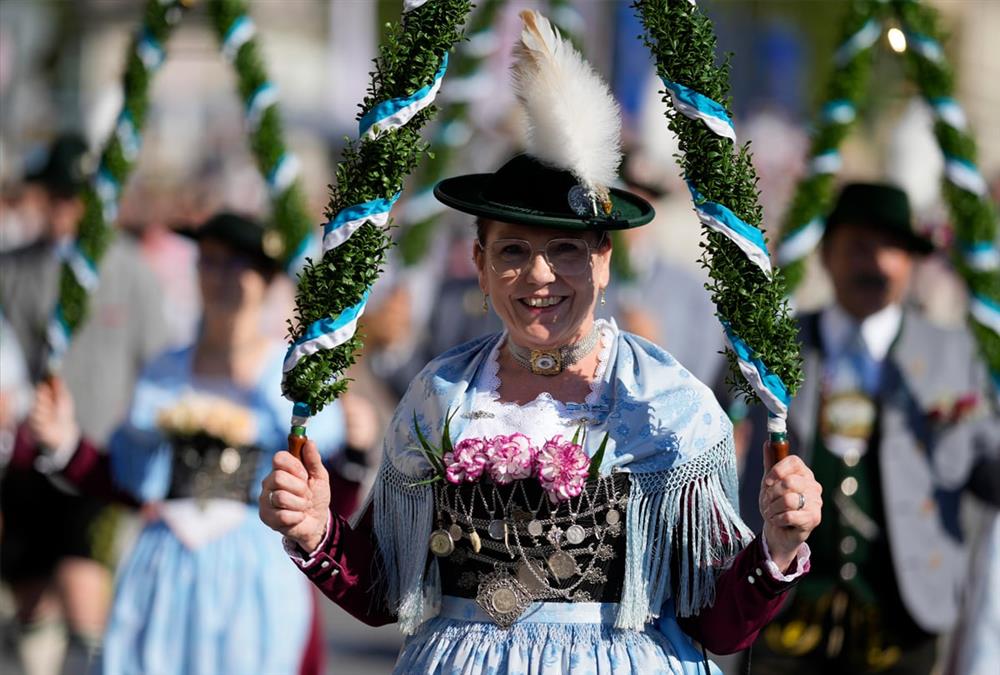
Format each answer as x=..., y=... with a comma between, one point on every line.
x=140, y=455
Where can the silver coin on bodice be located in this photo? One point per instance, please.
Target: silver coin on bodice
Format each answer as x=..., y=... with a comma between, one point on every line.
x=535, y=528
x=575, y=534
x=562, y=564
x=455, y=530
x=497, y=529
x=612, y=517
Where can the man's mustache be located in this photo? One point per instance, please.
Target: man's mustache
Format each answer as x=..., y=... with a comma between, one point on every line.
x=870, y=282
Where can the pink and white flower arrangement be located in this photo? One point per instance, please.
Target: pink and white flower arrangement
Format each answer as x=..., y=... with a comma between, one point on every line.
x=468, y=460
x=562, y=468
x=513, y=458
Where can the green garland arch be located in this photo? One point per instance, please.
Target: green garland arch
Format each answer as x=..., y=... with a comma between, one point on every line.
x=289, y=218
x=371, y=169
x=974, y=253
x=752, y=303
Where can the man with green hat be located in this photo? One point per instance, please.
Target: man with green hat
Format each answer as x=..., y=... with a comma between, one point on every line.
x=895, y=420
x=55, y=546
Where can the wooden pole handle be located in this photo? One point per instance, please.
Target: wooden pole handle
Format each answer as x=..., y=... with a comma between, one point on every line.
x=297, y=441
x=779, y=446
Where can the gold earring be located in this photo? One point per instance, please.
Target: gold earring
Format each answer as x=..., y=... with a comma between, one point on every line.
x=603, y=299
x=486, y=307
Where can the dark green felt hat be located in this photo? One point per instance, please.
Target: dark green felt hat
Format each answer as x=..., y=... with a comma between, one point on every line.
x=881, y=207
x=242, y=234
x=527, y=192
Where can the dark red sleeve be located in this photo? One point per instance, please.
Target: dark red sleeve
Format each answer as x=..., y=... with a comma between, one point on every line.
x=747, y=597
x=343, y=569
x=89, y=471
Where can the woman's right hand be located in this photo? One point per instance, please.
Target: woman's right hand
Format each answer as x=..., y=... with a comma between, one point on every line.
x=295, y=497
x=53, y=418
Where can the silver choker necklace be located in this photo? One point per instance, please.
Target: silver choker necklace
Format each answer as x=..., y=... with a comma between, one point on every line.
x=553, y=361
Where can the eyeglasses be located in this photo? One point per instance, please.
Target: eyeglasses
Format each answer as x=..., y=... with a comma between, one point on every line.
x=565, y=257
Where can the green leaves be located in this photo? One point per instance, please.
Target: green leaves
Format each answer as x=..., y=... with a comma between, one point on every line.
x=289, y=213
x=595, y=462
x=408, y=59
x=683, y=43
x=94, y=233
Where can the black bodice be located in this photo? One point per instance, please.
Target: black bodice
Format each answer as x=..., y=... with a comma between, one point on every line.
x=573, y=552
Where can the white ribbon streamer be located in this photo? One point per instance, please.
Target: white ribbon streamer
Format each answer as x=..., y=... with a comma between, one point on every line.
x=410, y=5
x=866, y=36
x=284, y=174
x=347, y=222
x=719, y=126
x=259, y=102
x=982, y=259
x=752, y=250
x=340, y=332
x=83, y=270
x=985, y=313
x=373, y=128
x=801, y=242
x=965, y=176
x=828, y=162
x=241, y=32
x=951, y=113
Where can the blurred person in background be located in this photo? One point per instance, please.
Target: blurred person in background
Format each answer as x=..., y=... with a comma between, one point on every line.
x=895, y=418
x=207, y=587
x=682, y=320
x=55, y=548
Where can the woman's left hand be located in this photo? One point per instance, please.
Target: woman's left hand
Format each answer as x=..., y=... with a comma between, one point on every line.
x=790, y=501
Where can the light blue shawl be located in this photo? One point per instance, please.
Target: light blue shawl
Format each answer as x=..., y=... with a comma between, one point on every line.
x=665, y=428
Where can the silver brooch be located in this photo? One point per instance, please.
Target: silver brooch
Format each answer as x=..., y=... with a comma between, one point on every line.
x=503, y=598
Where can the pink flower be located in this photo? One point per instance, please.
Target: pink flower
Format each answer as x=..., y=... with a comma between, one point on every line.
x=513, y=458
x=468, y=460
x=562, y=468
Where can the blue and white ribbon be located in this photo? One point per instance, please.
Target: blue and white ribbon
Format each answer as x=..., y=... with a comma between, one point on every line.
x=128, y=137
x=283, y=174
x=864, y=38
x=58, y=338
x=107, y=190
x=801, y=242
x=396, y=112
x=827, y=162
x=981, y=256
x=964, y=174
x=719, y=218
x=301, y=412
x=259, y=101
x=149, y=51
x=347, y=221
x=410, y=5
x=950, y=112
x=240, y=32
x=699, y=107
x=925, y=46
x=325, y=334
x=839, y=111
x=769, y=387
x=995, y=376
x=985, y=311
x=84, y=269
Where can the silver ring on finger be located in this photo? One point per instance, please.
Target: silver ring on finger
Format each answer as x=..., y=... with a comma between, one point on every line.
x=270, y=500
x=802, y=502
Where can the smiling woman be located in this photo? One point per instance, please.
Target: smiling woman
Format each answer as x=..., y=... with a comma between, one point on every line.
x=558, y=497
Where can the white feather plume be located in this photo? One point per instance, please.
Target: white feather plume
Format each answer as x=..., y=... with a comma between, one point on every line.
x=573, y=120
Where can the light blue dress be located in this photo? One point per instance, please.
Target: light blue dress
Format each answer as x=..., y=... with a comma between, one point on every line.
x=206, y=591
x=665, y=429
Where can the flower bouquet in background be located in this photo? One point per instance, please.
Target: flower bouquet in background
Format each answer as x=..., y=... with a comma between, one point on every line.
x=561, y=466
x=213, y=453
